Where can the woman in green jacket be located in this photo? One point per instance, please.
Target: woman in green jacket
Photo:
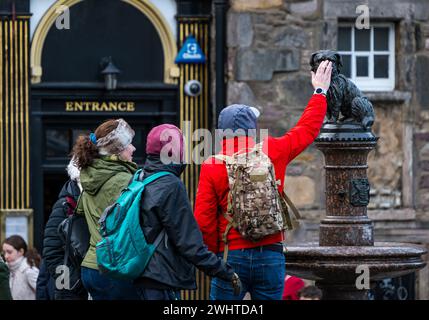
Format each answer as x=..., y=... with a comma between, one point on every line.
x=105, y=162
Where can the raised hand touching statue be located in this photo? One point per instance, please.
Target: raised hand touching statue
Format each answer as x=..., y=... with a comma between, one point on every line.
x=343, y=96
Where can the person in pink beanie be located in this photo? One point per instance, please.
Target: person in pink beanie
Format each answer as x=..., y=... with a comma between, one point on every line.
x=166, y=209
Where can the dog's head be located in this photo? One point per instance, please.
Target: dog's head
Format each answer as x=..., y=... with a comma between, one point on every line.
x=322, y=55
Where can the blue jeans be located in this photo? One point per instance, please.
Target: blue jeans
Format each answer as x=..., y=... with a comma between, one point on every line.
x=261, y=271
x=157, y=294
x=101, y=287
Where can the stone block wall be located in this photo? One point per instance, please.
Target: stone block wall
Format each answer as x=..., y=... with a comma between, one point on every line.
x=269, y=43
x=422, y=181
x=421, y=136
x=386, y=160
x=269, y=46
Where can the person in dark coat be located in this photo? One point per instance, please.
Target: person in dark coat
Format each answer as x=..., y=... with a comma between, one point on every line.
x=45, y=287
x=165, y=206
x=4, y=281
x=53, y=245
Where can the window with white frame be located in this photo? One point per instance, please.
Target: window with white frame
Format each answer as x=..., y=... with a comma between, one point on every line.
x=368, y=55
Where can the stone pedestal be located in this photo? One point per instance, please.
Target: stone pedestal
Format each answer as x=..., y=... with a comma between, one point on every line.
x=346, y=148
x=341, y=292
x=346, y=239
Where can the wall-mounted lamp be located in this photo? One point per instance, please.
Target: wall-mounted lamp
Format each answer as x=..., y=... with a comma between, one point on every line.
x=110, y=73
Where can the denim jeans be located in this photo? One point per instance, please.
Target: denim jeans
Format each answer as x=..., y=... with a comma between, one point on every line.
x=261, y=272
x=101, y=287
x=157, y=294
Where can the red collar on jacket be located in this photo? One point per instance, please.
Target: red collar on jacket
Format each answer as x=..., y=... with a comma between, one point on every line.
x=236, y=144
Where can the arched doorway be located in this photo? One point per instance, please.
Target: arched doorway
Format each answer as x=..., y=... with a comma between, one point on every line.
x=68, y=94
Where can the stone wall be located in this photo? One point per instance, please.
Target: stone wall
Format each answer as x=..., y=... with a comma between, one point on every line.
x=421, y=135
x=386, y=160
x=269, y=45
x=422, y=181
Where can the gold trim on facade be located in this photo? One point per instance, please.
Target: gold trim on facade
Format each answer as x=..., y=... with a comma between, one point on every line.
x=27, y=110
x=14, y=138
x=145, y=6
x=21, y=116
x=194, y=115
x=13, y=110
x=6, y=114
x=2, y=205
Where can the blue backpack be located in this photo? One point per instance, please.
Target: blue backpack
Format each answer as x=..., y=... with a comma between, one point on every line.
x=123, y=252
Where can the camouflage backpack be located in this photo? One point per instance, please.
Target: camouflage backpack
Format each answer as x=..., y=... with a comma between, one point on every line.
x=255, y=206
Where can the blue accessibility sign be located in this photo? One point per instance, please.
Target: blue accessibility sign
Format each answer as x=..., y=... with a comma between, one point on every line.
x=191, y=52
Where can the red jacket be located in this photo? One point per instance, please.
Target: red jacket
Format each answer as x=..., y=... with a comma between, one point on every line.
x=213, y=188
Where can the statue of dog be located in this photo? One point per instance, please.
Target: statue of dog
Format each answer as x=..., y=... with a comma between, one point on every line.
x=343, y=95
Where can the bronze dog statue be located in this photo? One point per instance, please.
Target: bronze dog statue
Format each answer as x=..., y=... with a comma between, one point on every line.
x=343, y=95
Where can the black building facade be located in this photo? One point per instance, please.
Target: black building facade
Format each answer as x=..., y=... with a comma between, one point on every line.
x=53, y=87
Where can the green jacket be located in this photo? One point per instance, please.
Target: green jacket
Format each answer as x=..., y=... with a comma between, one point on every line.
x=4, y=281
x=102, y=183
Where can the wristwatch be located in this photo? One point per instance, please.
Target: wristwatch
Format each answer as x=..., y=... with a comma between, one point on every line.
x=320, y=91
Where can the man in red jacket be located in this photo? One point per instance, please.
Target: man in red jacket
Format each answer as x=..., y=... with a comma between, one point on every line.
x=260, y=265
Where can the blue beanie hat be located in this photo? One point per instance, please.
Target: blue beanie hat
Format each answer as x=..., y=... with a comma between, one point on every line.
x=238, y=116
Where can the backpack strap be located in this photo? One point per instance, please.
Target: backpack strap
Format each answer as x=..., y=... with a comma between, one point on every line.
x=286, y=202
x=259, y=145
x=136, y=176
x=286, y=216
x=228, y=214
x=231, y=223
x=155, y=176
x=67, y=245
x=256, y=148
x=228, y=217
x=68, y=236
x=159, y=238
x=223, y=157
x=292, y=206
x=147, y=181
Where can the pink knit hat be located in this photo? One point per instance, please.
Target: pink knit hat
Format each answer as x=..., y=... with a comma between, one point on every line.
x=166, y=140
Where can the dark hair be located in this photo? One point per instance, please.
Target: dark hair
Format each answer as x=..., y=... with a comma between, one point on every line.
x=33, y=257
x=311, y=292
x=85, y=151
